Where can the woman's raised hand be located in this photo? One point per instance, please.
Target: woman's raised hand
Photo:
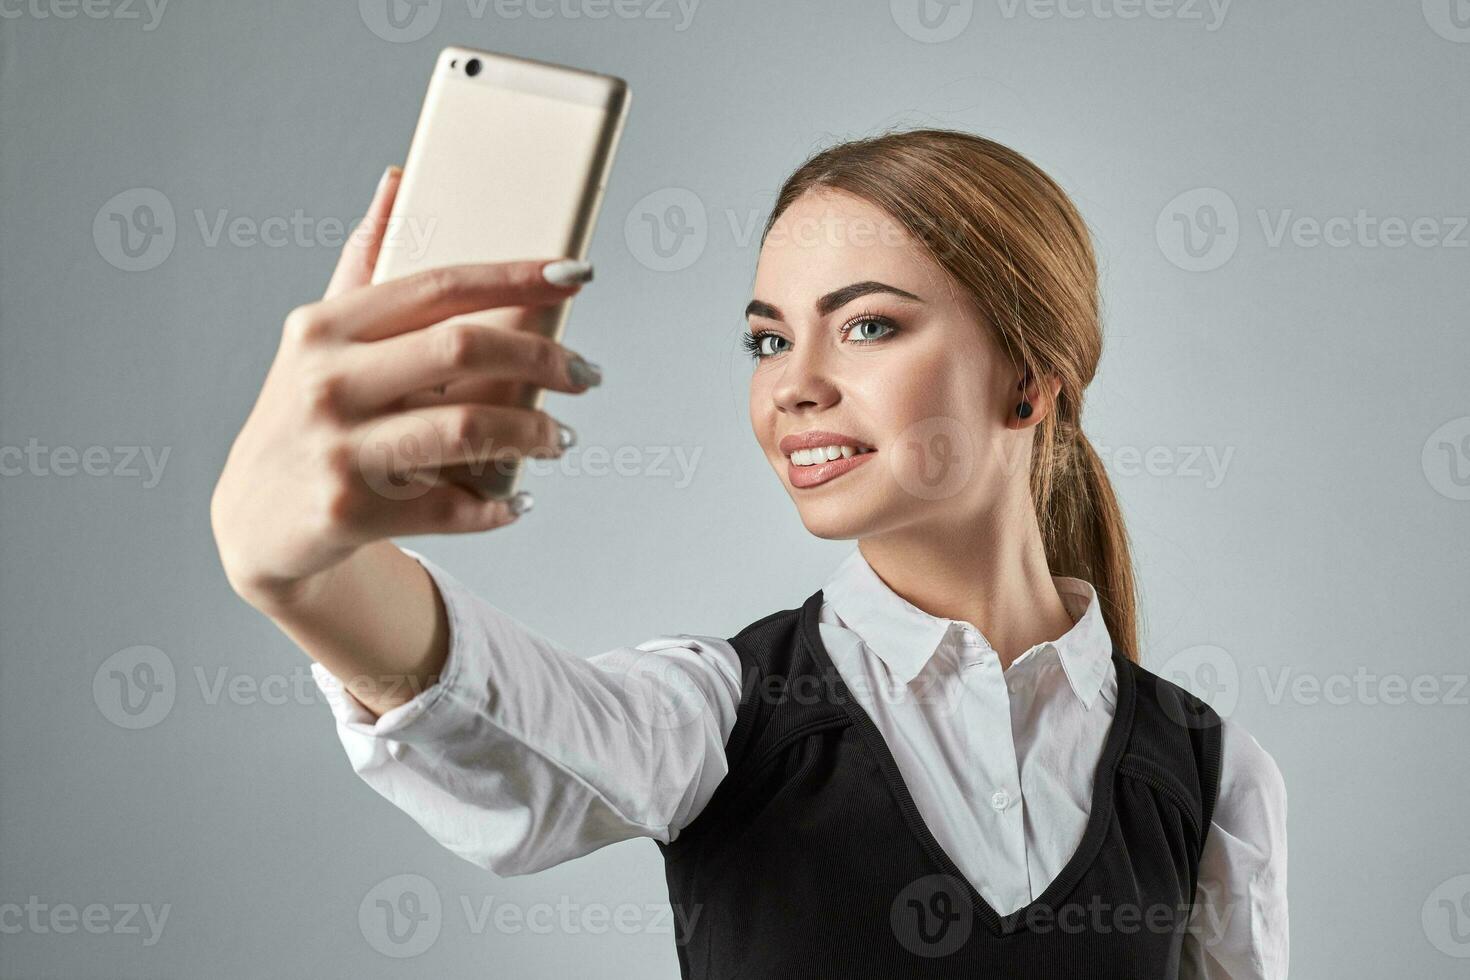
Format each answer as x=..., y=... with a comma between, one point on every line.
x=333, y=454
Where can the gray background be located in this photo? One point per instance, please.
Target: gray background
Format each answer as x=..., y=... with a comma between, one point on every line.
x=1326, y=547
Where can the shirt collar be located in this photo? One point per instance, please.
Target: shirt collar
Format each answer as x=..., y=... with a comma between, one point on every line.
x=905, y=637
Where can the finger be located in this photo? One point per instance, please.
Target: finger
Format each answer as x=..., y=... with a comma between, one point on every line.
x=360, y=254
x=418, y=444
x=444, y=508
x=424, y=298
x=485, y=391
x=541, y=321
x=492, y=391
x=478, y=390
x=380, y=373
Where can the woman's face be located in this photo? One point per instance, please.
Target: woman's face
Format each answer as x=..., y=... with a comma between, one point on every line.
x=863, y=335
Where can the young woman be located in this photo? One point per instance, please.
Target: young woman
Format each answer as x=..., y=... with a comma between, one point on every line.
x=945, y=762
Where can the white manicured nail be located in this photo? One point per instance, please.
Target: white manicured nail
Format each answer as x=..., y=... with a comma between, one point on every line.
x=567, y=271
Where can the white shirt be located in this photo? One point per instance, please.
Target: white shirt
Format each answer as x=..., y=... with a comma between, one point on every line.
x=524, y=755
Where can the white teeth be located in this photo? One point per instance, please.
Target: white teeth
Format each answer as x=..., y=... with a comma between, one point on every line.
x=823, y=454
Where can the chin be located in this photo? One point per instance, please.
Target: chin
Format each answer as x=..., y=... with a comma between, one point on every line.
x=844, y=517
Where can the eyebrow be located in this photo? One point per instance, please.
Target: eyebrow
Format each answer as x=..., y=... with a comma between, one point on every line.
x=835, y=300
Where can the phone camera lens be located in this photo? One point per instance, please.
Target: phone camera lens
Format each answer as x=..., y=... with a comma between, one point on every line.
x=472, y=67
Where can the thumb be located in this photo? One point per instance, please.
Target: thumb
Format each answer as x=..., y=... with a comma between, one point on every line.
x=360, y=254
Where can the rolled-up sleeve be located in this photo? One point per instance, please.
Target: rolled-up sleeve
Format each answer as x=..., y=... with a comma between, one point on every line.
x=1239, y=926
x=523, y=755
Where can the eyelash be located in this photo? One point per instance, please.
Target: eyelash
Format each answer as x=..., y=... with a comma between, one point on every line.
x=751, y=340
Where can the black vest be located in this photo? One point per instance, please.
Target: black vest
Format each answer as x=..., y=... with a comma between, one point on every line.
x=812, y=861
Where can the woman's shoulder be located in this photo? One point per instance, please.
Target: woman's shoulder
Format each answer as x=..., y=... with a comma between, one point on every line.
x=1241, y=910
x=1252, y=788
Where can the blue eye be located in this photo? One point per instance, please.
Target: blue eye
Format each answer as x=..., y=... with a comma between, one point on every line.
x=755, y=346
x=869, y=319
x=754, y=343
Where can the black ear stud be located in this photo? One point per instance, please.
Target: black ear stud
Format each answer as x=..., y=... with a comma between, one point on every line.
x=1024, y=410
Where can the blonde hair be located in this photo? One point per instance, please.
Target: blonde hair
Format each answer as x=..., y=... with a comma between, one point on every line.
x=1009, y=235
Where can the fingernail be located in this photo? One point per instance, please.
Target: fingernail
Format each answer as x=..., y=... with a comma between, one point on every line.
x=521, y=502
x=566, y=437
x=564, y=272
x=387, y=176
x=583, y=372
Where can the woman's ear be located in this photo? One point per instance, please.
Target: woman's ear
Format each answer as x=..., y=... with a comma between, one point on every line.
x=1033, y=400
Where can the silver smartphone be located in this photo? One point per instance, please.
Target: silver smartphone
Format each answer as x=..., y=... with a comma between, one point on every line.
x=509, y=161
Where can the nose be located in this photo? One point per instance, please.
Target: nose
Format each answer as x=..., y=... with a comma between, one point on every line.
x=805, y=382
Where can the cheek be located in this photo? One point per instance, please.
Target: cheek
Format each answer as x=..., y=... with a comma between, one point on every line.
x=930, y=385
x=762, y=412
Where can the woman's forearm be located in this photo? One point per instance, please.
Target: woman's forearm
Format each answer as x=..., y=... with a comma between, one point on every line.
x=375, y=620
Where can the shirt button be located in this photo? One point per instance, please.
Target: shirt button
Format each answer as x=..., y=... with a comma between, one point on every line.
x=1000, y=799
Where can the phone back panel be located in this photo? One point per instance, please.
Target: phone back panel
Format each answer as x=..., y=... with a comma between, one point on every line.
x=507, y=164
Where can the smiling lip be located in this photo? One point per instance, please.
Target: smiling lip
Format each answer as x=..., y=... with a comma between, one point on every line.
x=802, y=477
x=818, y=437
